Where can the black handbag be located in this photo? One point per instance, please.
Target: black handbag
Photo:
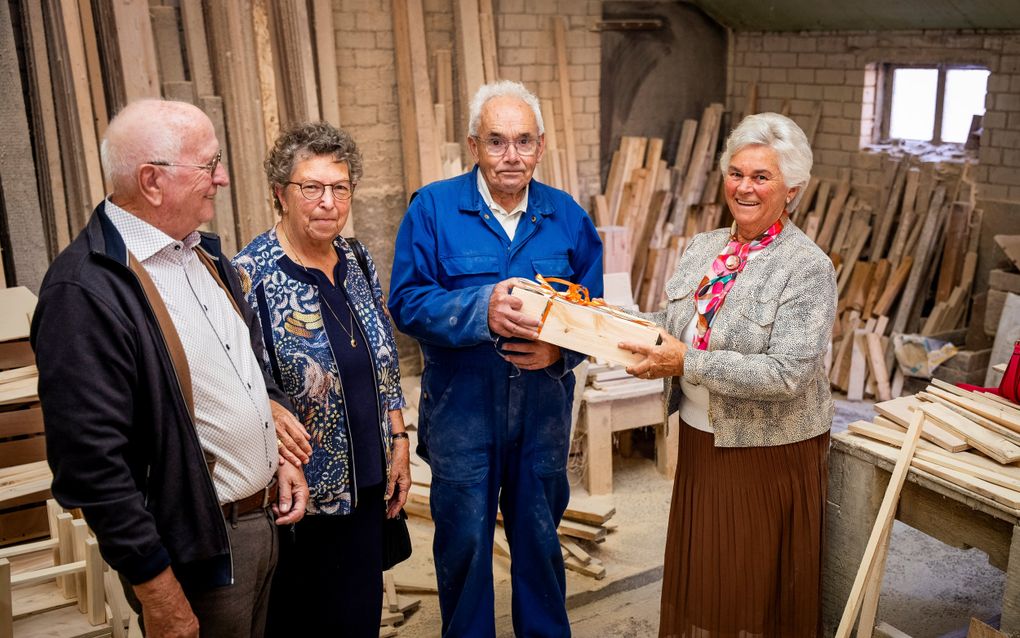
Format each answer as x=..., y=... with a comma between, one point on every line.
x=396, y=541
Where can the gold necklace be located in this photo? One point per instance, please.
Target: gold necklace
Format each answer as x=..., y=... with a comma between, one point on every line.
x=322, y=298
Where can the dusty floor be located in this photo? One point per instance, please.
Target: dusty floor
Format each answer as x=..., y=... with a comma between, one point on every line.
x=930, y=590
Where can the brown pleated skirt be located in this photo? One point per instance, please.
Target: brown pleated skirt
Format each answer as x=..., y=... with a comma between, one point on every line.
x=745, y=540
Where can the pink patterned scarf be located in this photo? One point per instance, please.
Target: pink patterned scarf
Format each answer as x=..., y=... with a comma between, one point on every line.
x=722, y=274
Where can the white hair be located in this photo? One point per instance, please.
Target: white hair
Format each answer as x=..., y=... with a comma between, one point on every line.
x=783, y=136
x=145, y=131
x=503, y=88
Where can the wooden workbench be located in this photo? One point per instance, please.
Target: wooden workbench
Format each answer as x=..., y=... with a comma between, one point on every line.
x=942, y=510
x=603, y=413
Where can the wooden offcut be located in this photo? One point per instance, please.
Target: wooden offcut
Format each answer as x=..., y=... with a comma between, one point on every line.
x=566, y=103
x=422, y=164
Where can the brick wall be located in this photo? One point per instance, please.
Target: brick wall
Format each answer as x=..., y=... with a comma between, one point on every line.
x=839, y=69
x=368, y=97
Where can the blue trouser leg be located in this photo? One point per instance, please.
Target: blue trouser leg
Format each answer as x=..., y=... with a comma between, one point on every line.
x=465, y=517
x=533, y=500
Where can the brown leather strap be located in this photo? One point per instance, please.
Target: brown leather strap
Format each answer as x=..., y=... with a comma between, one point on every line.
x=207, y=262
x=257, y=501
x=170, y=336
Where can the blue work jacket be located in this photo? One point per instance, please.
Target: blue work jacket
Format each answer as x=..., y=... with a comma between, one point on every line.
x=450, y=252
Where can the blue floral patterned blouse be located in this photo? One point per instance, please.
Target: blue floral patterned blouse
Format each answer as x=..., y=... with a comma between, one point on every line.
x=302, y=362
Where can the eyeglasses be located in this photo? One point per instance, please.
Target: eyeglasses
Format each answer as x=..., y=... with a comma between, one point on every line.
x=209, y=167
x=315, y=190
x=497, y=146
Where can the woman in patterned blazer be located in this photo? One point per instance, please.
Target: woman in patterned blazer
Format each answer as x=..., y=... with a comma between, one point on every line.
x=748, y=321
x=331, y=349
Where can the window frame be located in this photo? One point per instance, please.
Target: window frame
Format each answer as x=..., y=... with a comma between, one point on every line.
x=888, y=70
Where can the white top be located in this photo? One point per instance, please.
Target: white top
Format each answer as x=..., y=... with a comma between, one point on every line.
x=694, y=407
x=232, y=413
x=507, y=220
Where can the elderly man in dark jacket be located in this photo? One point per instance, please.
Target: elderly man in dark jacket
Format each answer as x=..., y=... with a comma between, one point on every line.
x=157, y=407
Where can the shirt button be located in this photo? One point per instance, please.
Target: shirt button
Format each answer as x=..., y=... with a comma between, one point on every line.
x=227, y=346
x=249, y=386
x=486, y=216
x=177, y=246
x=205, y=306
x=267, y=422
x=534, y=219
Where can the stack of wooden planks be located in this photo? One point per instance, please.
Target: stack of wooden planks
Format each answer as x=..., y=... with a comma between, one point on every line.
x=916, y=249
x=25, y=486
x=85, y=61
x=971, y=439
x=650, y=209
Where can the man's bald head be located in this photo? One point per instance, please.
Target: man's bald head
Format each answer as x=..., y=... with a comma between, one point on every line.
x=147, y=131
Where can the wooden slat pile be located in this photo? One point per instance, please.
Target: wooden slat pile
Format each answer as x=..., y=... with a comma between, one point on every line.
x=22, y=505
x=583, y=521
x=82, y=66
x=917, y=245
x=648, y=210
x=971, y=439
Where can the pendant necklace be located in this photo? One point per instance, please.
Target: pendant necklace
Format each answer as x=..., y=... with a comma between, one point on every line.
x=322, y=298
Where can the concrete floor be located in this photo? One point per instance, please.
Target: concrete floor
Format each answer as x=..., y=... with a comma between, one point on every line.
x=930, y=590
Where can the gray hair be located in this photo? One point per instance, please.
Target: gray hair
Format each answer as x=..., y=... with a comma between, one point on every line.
x=145, y=131
x=783, y=136
x=503, y=88
x=311, y=139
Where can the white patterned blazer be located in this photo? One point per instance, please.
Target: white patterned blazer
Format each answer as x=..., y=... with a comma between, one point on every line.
x=764, y=367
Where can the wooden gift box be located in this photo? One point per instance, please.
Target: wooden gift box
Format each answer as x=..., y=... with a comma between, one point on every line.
x=592, y=330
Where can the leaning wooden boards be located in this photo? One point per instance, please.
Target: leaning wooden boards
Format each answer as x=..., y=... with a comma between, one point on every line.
x=591, y=330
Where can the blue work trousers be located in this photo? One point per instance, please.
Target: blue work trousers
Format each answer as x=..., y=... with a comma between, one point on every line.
x=510, y=450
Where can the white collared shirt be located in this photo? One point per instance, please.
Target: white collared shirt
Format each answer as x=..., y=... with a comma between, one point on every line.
x=508, y=220
x=232, y=413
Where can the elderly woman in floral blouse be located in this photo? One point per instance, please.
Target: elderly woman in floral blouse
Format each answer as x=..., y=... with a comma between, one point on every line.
x=749, y=319
x=331, y=349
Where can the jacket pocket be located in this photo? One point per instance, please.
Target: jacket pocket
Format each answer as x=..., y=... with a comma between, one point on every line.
x=463, y=271
x=556, y=266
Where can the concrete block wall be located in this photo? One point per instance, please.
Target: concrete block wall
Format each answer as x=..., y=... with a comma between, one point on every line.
x=368, y=98
x=839, y=69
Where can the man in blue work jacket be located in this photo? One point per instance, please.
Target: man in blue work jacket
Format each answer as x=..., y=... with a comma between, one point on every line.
x=494, y=414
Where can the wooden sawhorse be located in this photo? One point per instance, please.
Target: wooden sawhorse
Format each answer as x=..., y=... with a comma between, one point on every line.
x=604, y=412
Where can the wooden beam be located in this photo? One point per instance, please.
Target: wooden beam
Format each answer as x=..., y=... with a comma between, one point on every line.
x=566, y=103
x=138, y=70
x=17, y=168
x=167, y=39
x=444, y=91
x=468, y=44
x=487, y=31
x=267, y=76
x=325, y=57
x=417, y=124
x=76, y=124
x=233, y=45
x=52, y=197
x=193, y=28
x=883, y=522
x=289, y=26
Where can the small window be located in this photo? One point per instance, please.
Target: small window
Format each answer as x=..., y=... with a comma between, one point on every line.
x=932, y=103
